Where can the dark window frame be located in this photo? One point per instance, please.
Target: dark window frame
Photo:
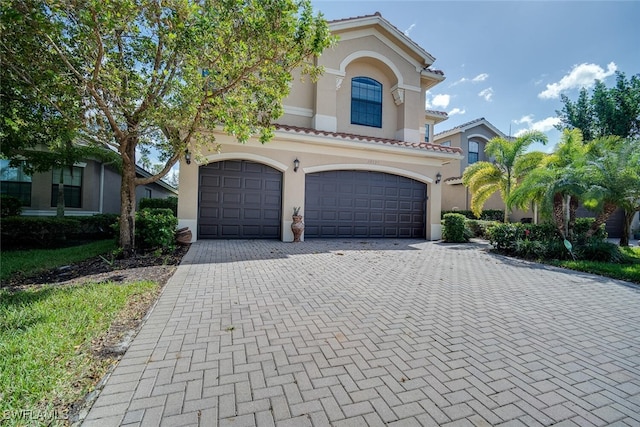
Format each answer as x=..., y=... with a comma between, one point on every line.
x=72, y=193
x=366, y=102
x=474, y=156
x=19, y=188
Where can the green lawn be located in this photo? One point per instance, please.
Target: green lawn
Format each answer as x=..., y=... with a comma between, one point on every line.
x=629, y=272
x=45, y=345
x=33, y=261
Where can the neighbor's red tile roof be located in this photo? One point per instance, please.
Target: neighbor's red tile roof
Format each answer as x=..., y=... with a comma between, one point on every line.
x=387, y=141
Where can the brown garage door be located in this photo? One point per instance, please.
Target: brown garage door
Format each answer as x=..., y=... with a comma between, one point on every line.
x=239, y=199
x=364, y=204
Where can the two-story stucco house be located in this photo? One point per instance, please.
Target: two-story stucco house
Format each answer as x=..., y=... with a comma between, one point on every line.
x=350, y=151
x=471, y=138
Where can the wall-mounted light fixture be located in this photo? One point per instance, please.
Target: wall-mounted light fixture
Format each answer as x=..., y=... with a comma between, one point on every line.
x=296, y=165
x=187, y=156
x=438, y=178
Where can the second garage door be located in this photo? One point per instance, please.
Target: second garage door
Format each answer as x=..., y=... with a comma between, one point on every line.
x=364, y=204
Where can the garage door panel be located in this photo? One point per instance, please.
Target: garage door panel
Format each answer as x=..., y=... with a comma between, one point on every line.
x=239, y=200
x=368, y=204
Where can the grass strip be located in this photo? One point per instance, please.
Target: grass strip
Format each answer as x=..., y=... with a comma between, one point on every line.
x=46, y=335
x=629, y=272
x=34, y=261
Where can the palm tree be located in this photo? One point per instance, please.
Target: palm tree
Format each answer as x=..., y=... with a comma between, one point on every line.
x=613, y=178
x=557, y=184
x=510, y=163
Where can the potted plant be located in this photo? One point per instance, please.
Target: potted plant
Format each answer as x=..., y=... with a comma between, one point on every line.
x=297, y=226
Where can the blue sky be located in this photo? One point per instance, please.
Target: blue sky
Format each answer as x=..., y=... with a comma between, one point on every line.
x=509, y=61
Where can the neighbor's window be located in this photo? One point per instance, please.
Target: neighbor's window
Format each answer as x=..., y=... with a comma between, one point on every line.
x=446, y=144
x=72, y=187
x=15, y=182
x=473, y=152
x=426, y=132
x=366, y=102
x=147, y=193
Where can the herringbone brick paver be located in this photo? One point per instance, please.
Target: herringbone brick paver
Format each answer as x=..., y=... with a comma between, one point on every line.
x=378, y=332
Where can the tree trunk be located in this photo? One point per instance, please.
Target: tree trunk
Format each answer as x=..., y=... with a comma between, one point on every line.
x=602, y=217
x=626, y=227
x=558, y=213
x=128, y=201
x=573, y=208
x=60, y=204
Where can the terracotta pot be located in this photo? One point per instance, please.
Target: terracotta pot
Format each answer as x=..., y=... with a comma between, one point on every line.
x=297, y=227
x=183, y=236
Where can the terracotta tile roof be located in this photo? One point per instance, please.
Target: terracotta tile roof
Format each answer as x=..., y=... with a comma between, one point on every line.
x=386, y=141
x=453, y=178
x=434, y=71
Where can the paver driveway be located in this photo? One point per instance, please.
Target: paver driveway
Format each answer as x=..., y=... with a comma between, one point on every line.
x=349, y=333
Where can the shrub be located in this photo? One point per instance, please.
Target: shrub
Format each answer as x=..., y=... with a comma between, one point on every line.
x=23, y=232
x=155, y=228
x=503, y=237
x=598, y=250
x=33, y=232
x=530, y=249
x=168, y=203
x=454, y=229
x=10, y=206
x=487, y=215
x=479, y=228
x=583, y=225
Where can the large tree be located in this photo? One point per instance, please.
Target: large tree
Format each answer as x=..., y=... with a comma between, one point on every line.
x=153, y=74
x=613, y=111
x=510, y=162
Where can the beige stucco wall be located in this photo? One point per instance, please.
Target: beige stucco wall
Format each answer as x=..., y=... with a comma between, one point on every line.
x=316, y=155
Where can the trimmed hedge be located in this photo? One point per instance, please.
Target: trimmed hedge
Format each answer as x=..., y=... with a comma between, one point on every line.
x=22, y=232
x=168, y=203
x=9, y=206
x=487, y=215
x=543, y=241
x=479, y=228
x=454, y=230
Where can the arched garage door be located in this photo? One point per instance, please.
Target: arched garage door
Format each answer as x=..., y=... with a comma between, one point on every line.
x=364, y=204
x=239, y=199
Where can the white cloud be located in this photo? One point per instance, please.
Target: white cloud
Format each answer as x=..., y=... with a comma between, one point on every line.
x=438, y=101
x=480, y=77
x=544, y=125
x=457, y=111
x=408, y=30
x=524, y=119
x=487, y=94
x=457, y=82
x=477, y=79
x=583, y=75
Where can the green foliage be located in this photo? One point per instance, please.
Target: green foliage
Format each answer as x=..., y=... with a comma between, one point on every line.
x=454, y=229
x=486, y=215
x=48, y=232
x=157, y=77
x=10, y=206
x=543, y=241
x=167, y=203
x=480, y=228
x=46, y=356
x=510, y=163
x=611, y=111
x=629, y=270
x=155, y=228
x=598, y=250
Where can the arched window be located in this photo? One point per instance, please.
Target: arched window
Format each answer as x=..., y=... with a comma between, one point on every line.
x=366, y=102
x=473, y=152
